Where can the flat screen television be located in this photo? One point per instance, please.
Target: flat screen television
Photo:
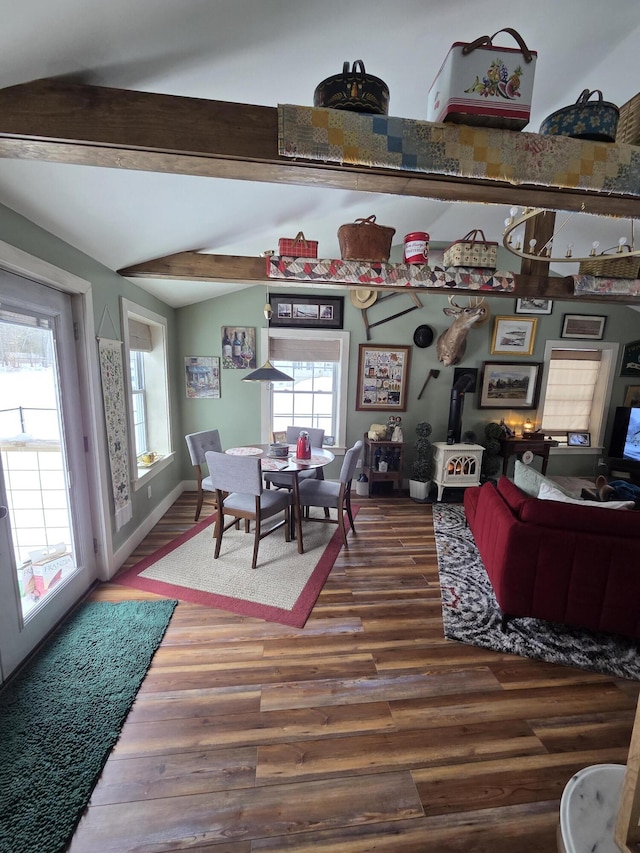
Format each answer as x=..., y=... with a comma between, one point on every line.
x=625, y=436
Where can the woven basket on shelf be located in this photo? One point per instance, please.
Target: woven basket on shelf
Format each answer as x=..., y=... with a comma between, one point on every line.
x=620, y=265
x=629, y=122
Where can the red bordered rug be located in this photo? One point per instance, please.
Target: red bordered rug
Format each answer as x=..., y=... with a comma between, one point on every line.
x=282, y=588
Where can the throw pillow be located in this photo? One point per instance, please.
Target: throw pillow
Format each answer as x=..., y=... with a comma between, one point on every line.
x=550, y=493
x=530, y=480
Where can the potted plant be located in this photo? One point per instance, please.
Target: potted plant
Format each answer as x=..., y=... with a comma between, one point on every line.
x=422, y=465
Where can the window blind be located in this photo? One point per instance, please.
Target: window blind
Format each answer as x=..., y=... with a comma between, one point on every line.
x=571, y=384
x=140, y=336
x=297, y=349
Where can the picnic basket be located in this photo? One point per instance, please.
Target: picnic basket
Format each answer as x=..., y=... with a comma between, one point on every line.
x=620, y=265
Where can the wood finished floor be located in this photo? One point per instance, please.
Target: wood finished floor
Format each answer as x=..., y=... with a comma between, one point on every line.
x=366, y=730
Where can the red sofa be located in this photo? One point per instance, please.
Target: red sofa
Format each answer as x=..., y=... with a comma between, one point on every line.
x=561, y=562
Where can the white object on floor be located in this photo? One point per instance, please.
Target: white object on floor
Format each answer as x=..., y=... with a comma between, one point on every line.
x=589, y=808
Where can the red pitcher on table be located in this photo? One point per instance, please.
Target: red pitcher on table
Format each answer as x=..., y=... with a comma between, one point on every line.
x=303, y=450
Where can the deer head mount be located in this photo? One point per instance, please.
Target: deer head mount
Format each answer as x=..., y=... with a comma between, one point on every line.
x=452, y=343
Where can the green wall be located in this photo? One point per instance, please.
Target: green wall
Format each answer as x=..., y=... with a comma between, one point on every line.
x=107, y=288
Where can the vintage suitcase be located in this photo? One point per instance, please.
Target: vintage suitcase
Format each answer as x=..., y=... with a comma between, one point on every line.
x=365, y=240
x=482, y=84
x=620, y=264
x=471, y=251
x=298, y=247
x=596, y=120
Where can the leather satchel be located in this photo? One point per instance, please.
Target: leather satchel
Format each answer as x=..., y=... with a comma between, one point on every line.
x=365, y=240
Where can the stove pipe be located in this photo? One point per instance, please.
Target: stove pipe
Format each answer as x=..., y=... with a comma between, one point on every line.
x=454, y=428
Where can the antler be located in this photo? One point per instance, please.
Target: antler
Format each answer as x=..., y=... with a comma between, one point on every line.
x=473, y=302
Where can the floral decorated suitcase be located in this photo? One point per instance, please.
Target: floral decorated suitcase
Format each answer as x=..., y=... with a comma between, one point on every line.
x=472, y=252
x=482, y=84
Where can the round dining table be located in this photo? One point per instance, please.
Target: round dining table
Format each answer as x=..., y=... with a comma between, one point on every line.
x=289, y=465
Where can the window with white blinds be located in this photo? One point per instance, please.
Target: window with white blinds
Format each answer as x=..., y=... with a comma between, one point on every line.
x=571, y=383
x=318, y=361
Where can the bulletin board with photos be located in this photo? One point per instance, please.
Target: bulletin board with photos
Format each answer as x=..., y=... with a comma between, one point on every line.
x=294, y=311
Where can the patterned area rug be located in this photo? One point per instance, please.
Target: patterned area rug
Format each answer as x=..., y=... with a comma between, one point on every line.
x=471, y=614
x=282, y=588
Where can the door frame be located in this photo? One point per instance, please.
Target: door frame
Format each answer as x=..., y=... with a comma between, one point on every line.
x=22, y=263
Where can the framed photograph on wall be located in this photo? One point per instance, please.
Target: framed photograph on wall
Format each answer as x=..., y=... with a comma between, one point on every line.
x=513, y=336
x=202, y=377
x=509, y=385
x=534, y=305
x=383, y=378
x=585, y=326
x=632, y=397
x=578, y=439
x=293, y=311
x=630, y=359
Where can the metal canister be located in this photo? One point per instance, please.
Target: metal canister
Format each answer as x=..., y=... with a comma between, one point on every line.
x=416, y=248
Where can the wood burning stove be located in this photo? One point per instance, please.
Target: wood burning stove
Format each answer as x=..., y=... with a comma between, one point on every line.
x=456, y=465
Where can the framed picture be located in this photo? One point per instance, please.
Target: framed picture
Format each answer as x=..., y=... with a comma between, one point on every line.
x=293, y=311
x=513, y=336
x=507, y=385
x=632, y=397
x=631, y=359
x=238, y=347
x=579, y=439
x=383, y=377
x=534, y=305
x=586, y=326
x=202, y=376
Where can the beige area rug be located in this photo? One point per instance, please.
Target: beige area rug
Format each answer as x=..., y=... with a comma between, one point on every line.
x=282, y=588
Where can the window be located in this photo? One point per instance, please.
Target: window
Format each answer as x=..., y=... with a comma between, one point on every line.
x=317, y=397
x=145, y=341
x=577, y=388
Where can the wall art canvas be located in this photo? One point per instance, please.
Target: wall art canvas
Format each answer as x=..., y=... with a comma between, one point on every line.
x=238, y=347
x=202, y=376
x=383, y=377
x=508, y=385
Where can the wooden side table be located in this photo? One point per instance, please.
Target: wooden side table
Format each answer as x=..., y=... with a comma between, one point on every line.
x=392, y=452
x=516, y=446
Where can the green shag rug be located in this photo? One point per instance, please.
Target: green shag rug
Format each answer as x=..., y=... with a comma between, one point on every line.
x=62, y=714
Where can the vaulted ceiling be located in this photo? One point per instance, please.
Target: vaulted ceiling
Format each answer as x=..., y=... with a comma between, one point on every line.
x=266, y=52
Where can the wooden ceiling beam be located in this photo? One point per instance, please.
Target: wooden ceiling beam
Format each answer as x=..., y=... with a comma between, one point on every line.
x=198, y=266
x=65, y=122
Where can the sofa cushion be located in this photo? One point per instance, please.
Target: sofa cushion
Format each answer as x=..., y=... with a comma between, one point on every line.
x=530, y=480
x=512, y=495
x=551, y=493
x=578, y=518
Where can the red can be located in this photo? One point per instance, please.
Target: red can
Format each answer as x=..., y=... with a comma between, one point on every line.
x=416, y=248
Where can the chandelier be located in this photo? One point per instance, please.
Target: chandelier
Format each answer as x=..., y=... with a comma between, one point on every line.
x=515, y=243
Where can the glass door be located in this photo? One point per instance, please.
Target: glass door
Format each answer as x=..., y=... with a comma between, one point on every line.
x=46, y=544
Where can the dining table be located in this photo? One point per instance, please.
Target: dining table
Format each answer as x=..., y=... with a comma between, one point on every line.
x=287, y=465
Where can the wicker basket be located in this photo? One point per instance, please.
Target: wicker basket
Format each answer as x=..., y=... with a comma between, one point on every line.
x=629, y=122
x=364, y=240
x=620, y=265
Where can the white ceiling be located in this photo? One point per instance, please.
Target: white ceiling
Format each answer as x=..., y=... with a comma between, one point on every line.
x=269, y=52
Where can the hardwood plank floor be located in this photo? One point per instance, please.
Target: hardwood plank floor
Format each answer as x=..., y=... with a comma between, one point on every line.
x=365, y=730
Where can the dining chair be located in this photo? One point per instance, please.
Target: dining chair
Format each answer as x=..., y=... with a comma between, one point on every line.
x=198, y=443
x=333, y=495
x=237, y=481
x=285, y=481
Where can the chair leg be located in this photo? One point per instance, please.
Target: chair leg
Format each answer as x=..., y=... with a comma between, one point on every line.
x=199, y=506
x=256, y=543
x=218, y=531
x=342, y=527
x=349, y=513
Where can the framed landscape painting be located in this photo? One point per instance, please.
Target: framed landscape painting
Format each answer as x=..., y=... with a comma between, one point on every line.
x=534, y=305
x=513, y=335
x=508, y=385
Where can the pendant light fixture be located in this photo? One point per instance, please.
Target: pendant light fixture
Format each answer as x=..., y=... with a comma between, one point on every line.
x=267, y=373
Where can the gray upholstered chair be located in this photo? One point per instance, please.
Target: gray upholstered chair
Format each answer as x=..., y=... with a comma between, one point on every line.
x=237, y=481
x=198, y=443
x=285, y=481
x=335, y=495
